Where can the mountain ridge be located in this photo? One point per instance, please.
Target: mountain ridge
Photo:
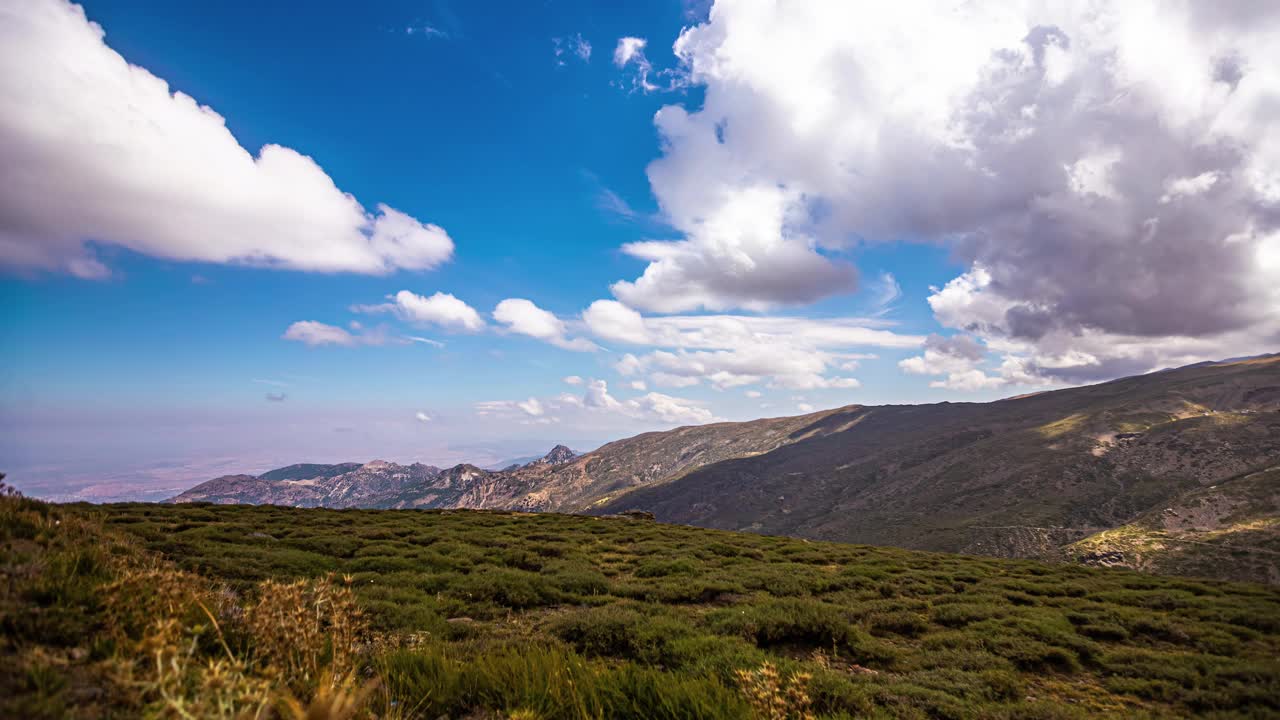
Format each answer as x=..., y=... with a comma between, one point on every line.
x=1025, y=476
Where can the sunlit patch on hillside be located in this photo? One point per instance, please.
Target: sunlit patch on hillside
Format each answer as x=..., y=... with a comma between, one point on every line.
x=1058, y=428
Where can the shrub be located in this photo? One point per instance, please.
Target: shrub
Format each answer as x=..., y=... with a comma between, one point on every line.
x=901, y=622
x=663, y=568
x=620, y=632
x=798, y=622
x=510, y=588
x=577, y=578
x=961, y=614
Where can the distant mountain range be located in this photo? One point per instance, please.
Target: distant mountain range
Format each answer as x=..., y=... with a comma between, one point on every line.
x=1176, y=471
x=375, y=484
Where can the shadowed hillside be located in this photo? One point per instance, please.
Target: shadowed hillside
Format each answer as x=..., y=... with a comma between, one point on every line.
x=1017, y=478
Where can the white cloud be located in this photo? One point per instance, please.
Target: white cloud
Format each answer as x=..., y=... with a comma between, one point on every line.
x=614, y=321
x=316, y=334
x=577, y=46
x=1108, y=172
x=572, y=380
x=788, y=367
x=426, y=31
x=424, y=341
x=93, y=148
x=742, y=253
x=440, y=309
x=638, y=385
x=671, y=409
x=1062, y=355
x=566, y=400
x=972, y=379
x=887, y=293
x=523, y=317
x=651, y=407
x=1186, y=186
x=960, y=358
x=753, y=394
x=422, y=417
x=628, y=365
x=804, y=407
x=630, y=53
x=613, y=204
x=731, y=350
x=628, y=49
x=532, y=406
x=656, y=406
x=671, y=380
x=580, y=47
x=611, y=320
x=945, y=355
x=597, y=396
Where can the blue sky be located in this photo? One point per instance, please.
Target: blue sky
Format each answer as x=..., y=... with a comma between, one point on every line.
x=143, y=357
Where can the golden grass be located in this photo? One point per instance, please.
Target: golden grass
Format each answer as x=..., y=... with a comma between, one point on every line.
x=774, y=697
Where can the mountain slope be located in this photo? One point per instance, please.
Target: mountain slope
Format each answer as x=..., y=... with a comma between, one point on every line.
x=634, y=462
x=1229, y=530
x=1019, y=477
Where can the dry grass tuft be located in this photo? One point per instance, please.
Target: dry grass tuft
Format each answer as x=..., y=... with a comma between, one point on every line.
x=338, y=698
x=303, y=628
x=773, y=697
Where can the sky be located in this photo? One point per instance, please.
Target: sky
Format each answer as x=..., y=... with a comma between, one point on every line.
x=237, y=236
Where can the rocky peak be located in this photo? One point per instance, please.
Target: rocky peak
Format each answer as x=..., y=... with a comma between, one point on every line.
x=558, y=456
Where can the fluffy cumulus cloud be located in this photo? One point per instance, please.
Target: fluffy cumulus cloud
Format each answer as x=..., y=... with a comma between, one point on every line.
x=441, y=309
x=955, y=357
x=1109, y=172
x=95, y=149
x=525, y=318
x=735, y=350
x=741, y=253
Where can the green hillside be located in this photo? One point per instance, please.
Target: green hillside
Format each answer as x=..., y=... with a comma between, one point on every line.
x=477, y=614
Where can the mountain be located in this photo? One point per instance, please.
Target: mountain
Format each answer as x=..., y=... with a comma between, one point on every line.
x=1023, y=477
x=377, y=484
x=338, y=486
x=305, y=471
x=1084, y=474
x=559, y=455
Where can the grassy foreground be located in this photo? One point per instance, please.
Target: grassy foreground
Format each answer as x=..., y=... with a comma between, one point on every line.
x=221, y=611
